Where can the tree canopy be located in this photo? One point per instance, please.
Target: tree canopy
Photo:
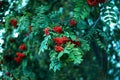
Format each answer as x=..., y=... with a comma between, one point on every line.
x=60, y=39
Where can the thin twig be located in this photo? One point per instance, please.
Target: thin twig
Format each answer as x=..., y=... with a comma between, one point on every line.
x=96, y=22
x=92, y=27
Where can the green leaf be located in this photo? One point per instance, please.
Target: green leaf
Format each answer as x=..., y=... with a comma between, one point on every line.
x=67, y=34
x=73, y=37
x=24, y=64
x=86, y=47
x=44, y=45
x=60, y=55
x=75, y=54
x=55, y=64
x=81, y=10
x=78, y=60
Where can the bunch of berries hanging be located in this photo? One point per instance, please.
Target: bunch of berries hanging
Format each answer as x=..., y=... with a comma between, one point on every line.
x=95, y=2
x=61, y=41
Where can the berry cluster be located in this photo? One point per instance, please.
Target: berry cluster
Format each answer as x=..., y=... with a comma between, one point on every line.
x=60, y=41
x=57, y=29
x=95, y=2
x=19, y=57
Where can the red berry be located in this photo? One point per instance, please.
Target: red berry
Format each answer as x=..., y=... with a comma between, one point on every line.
x=64, y=39
x=0, y=3
x=57, y=29
x=92, y=2
x=8, y=73
x=17, y=59
x=22, y=47
x=58, y=40
x=21, y=55
x=73, y=22
x=13, y=22
x=46, y=30
x=58, y=48
x=77, y=43
x=30, y=28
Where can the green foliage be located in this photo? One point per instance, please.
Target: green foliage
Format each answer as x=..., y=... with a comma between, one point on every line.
x=44, y=44
x=82, y=10
x=55, y=64
x=84, y=45
x=86, y=49
x=23, y=23
x=74, y=54
x=40, y=20
x=70, y=54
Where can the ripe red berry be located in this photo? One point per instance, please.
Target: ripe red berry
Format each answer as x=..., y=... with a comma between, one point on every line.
x=22, y=47
x=58, y=40
x=13, y=22
x=64, y=39
x=92, y=2
x=57, y=29
x=73, y=22
x=77, y=43
x=58, y=48
x=0, y=3
x=17, y=59
x=46, y=30
x=30, y=28
x=21, y=55
x=8, y=73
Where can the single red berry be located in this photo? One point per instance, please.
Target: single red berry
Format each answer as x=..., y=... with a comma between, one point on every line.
x=58, y=48
x=17, y=59
x=21, y=55
x=57, y=29
x=8, y=73
x=46, y=30
x=102, y=1
x=1, y=3
x=22, y=47
x=58, y=40
x=13, y=22
x=64, y=39
x=92, y=2
x=73, y=22
x=30, y=28
x=77, y=43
